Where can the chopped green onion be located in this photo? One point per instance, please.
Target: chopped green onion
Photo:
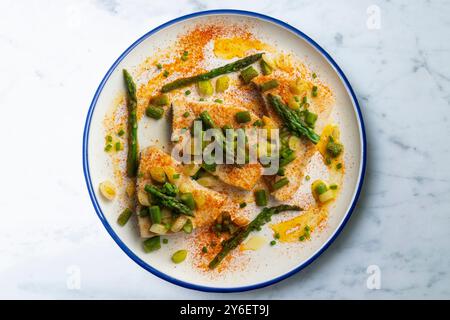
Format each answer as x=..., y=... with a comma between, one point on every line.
x=307, y=178
x=333, y=186
x=248, y=74
x=204, y=249
x=314, y=75
x=121, y=132
x=314, y=91
x=280, y=183
x=109, y=138
x=339, y=166
x=118, y=146
x=186, y=114
x=242, y=205
x=179, y=256
x=269, y=85
x=273, y=242
x=188, y=200
x=201, y=99
x=124, y=217
x=276, y=235
x=155, y=214
x=218, y=101
x=108, y=147
x=159, y=66
x=302, y=238
x=242, y=117
x=187, y=92
x=165, y=241
x=281, y=172
x=154, y=112
x=261, y=197
x=152, y=244
x=166, y=73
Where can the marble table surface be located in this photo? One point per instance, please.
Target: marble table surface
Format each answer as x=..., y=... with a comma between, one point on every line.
x=395, y=54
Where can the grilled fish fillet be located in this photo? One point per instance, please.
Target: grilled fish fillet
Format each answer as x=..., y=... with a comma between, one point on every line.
x=322, y=106
x=214, y=202
x=243, y=177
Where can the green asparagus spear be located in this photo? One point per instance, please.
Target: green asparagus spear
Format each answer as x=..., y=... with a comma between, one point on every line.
x=132, y=158
x=169, y=201
x=291, y=119
x=237, y=238
x=228, y=68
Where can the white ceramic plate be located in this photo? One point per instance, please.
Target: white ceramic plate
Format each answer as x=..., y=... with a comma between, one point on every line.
x=260, y=270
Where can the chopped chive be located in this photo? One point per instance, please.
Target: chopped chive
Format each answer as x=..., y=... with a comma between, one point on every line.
x=333, y=186
x=242, y=204
x=307, y=228
x=165, y=241
x=121, y=132
x=186, y=114
x=201, y=99
x=296, y=99
x=159, y=66
x=304, y=100
x=276, y=235
x=218, y=101
x=108, y=147
x=124, y=217
x=204, y=249
x=314, y=91
x=307, y=178
x=176, y=176
x=242, y=117
x=166, y=73
x=314, y=75
x=280, y=183
x=109, y=138
x=302, y=238
x=339, y=166
x=273, y=242
x=118, y=146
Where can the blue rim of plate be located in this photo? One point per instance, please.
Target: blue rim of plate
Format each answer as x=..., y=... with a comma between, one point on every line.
x=127, y=250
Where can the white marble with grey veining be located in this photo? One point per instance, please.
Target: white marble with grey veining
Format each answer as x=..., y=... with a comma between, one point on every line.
x=54, y=54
